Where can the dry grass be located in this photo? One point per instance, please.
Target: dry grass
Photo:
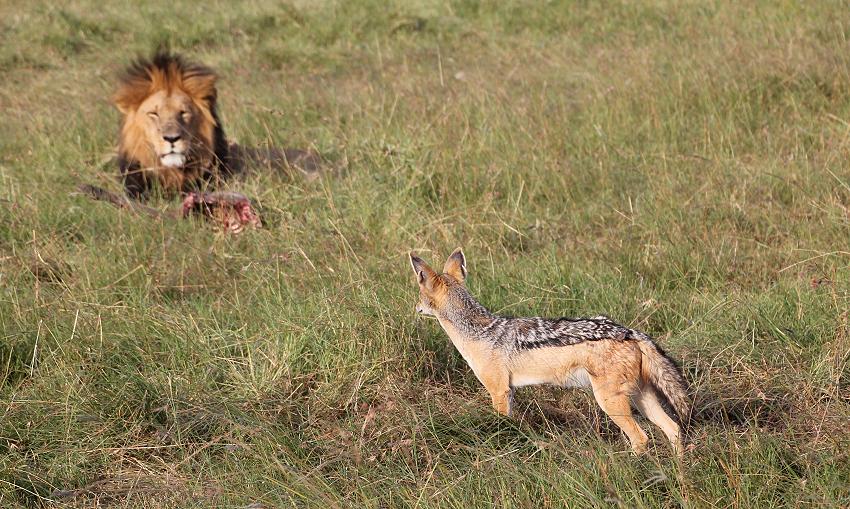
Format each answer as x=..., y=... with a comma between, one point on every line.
x=681, y=167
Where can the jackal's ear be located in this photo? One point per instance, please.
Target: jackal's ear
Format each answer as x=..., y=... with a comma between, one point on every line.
x=456, y=265
x=423, y=272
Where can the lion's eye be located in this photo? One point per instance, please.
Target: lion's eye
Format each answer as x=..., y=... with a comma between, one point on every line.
x=153, y=114
x=185, y=115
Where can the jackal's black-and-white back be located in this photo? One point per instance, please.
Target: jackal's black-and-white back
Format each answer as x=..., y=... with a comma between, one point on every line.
x=537, y=332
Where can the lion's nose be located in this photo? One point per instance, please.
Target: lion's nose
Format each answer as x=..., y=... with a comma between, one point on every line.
x=171, y=139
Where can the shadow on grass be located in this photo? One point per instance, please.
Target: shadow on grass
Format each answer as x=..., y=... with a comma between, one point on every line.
x=766, y=410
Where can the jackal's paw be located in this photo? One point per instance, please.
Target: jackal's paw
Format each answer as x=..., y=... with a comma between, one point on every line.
x=639, y=448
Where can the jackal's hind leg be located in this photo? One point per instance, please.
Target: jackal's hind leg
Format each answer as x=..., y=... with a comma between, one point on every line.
x=647, y=402
x=613, y=398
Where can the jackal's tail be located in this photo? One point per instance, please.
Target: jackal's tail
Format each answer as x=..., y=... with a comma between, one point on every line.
x=664, y=375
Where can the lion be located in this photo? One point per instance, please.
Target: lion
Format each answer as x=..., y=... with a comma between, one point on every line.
x=171, y=133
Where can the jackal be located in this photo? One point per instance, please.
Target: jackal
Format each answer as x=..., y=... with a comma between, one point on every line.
x=622, y=366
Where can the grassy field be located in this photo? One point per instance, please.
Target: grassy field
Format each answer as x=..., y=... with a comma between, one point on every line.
x=679, y=166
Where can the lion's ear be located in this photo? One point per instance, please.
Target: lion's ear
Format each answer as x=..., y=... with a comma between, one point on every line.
x=122, y=106
x=200, y=85
x=131, y=94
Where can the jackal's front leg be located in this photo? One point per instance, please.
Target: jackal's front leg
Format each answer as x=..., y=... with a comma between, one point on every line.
x=498, y=384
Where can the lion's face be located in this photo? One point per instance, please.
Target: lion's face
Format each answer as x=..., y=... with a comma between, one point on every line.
x=170, y=123
x=170, y=130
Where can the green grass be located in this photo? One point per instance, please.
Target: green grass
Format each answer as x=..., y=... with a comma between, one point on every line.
x=681, y=167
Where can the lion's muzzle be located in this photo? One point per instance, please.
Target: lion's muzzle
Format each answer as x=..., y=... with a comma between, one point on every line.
x=173, y=160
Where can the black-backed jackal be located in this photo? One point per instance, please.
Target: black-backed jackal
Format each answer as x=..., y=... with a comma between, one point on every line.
x=622, y=366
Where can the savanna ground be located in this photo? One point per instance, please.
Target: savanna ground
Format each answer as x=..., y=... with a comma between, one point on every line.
x=681, y=167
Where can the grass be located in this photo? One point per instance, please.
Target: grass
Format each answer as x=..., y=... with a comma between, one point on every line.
x=681, y=167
